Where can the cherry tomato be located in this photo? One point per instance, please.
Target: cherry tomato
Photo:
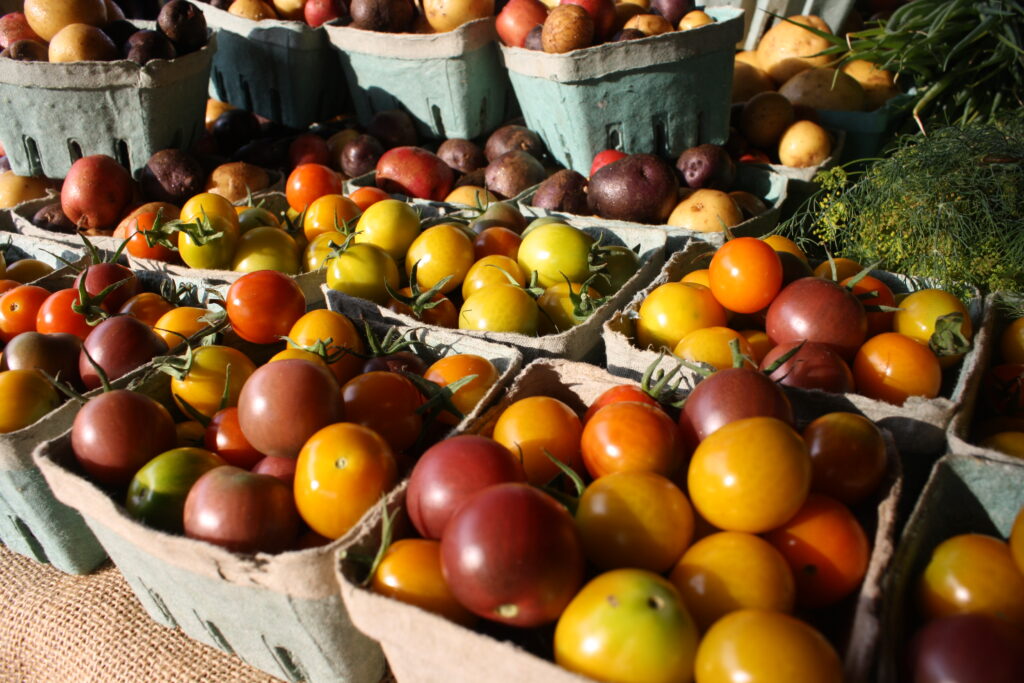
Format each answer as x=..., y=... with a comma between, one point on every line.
x=439, y=252
x=263, y=306
x=711, y=345
x=189, y=434
x=497, y=241
x=488, y=271
x=452, y=368
x=137, y=244
x=729, y=571
x=386, y=402
x=148, y=307
x=123, y=283
x=620, y=394
x=701, y=276
x=844, y=267
x=266, y=248
x=848, y=457
x=973, y=574
x=19, y=309
x=737, y=487
x=873, y=292
x=250, y=217
x=203, y=386
x=309, y=182
x=442, y=314
x=757, y=646
x=556, y=251
x=316, y=254
x=558, y=309
x=361, y=271
x=627, y=625
x=329, y=214
x=322, y=325
x=298, y=354
x=224, y=437
x=536, y=424
x=410, y=572
x=208, y=204
x=27, y=270
x=500, y=308
x=826, y=548
x=56, y=315
x=365, y=197
x=745, y=275
x=342, y=471
x=1011, y=342
x=214, y=254
x=157, y=492
x=919, y=312
x=180, y=323
x=892, y=367
x=25, y=396
x=783, y=244
x=634, y=519
x=672, y=311
x=1017, y=540
x=630, y=437
x=391, y=225
x=760, y=344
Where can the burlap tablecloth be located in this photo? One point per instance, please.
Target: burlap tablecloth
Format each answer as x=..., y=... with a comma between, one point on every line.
x=56, y=628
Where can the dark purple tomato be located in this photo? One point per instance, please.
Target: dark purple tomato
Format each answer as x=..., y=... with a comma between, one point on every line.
x=512, y=554
x=727, y=396
x=818, y=310
x=402, y=361
x=118, y=345
x=284, y=403
x=56, y=354
x=225, y=438
x=116, y=433
x=814, y=366
x=450, y=472
x=282, y=468
x=100, y=276
x=967, y=648
x=242, y=511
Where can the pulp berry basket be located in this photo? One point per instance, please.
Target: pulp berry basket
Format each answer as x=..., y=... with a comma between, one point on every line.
x=452, y=83
x=662, y=94
x=964, y=495
x=53, y=114
x=281, y=613
x=282, y=70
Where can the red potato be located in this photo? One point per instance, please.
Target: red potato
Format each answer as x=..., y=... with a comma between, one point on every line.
x=96, y=193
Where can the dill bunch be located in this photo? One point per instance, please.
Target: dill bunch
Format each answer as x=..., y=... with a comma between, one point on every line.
x=947, y=206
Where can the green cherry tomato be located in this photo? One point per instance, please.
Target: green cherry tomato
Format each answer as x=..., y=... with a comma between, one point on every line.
x=620, y=264
x=156, y=496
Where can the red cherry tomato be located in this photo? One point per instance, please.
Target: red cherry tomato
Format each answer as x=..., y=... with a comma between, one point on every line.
x=56, y=315
x=619, y=394
x=263, y=306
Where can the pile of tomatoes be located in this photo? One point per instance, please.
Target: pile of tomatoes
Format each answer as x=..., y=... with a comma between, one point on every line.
x=286, y=454
x=835, y=328
x=492, y=272
x=684, y=556
x=971, y=600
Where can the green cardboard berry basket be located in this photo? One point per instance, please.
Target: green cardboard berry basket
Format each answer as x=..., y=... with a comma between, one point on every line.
x=661, y=94
x=282, y=70
x=452, y=83
x=965, y=494
x=53, y=114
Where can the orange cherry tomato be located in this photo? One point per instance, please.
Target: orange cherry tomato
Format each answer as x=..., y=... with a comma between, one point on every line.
x=630, y=437
x=299, y=354
x=634, y=519
x=892, y=367
x=845, y=268
x=19, y=309
x=786, y=245
x=342, y=471
x=973, y=574
x=452, y=368
x=760, y=343
x=1017, y=540
x=148, y=307
x=365, y=197
x=328, y=214
x=826, y=548
x=536, y=424
x=711, y=345
x=309, y=182
x=619, y=394
x=180, y=323
x=321, y=325
x=729, y=571
x=137, y=244
x=264, y=305
x=386, y=402
x=56, y=315
x=745, y=275
x=848, y=456
x=410, y=572
x=497, y=241
x=881, y=295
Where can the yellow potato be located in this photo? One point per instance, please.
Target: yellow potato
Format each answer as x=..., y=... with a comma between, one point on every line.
x=649, y=24
x=694, y=19
x=290, y=9
x=765, y=117
x=470, y=195
x=824, y=88
x=82, y=43
x=879, y=85
x=787, y=49
x=804, y=144
x=706, y=211
x=749, y=57
x=47, y=17
x=447, y=15
x=235, y=180
x=16, y=189
x=568, y=27
x=256, y=10
x=748, y=80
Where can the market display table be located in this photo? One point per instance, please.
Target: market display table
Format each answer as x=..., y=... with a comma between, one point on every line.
x=56, y=627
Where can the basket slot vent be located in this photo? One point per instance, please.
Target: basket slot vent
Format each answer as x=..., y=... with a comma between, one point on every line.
x=74, y=150
x=32, y=152
x=215, y=634
x=438, y=120
x=290, y=666
x=160, y=604
x=121, y=153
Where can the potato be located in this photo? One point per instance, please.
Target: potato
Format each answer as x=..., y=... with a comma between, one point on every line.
x=749, y=57
x=747, y=81
x=48, y=17
x=114, y=12
x=256, y=10
x=82, y=43
x=706, y=211
x=649, y=24
x=470, y=195
x=765, y=117
x=804, y=144
x=235, y=180
x=568, y=27
x=624, y=11
x=15, y=189
x=694, y=19
x=824, y=88
x=879, y=85
x=786, y=49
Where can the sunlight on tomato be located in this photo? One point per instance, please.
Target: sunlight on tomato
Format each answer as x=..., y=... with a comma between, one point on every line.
x=973, y=574
x=784, y=244
x=893, y=367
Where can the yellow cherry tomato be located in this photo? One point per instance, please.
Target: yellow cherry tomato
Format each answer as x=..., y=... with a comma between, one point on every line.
x=760, y=343
x=556, y=251
x=500, y=308
x=300, y=354
x=919, y=312
x=329, y=214
x=558, y=312
x=203, y=386
x=209, y=204
x=389, y=224
x=844, y=268
x=322, y=325
x=1017, y=540
x=25, y=396
x=319, y=250
x=729, y=571
x=266, y=248
x=27, y=270
x=672, y=311
x=410, y=572
x=180, y=323
x=784, y=244
x=250, y=217
x=361, y=270
x=215, y=253
x=711, y=345
x=1008, y=443
x=470, y=195
x=488, y=271
x=1011, y=342
x=699, y=277
x=439, y=252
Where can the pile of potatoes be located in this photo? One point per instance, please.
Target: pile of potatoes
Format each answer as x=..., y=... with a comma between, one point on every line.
x=97, y=31
x=779, y=87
